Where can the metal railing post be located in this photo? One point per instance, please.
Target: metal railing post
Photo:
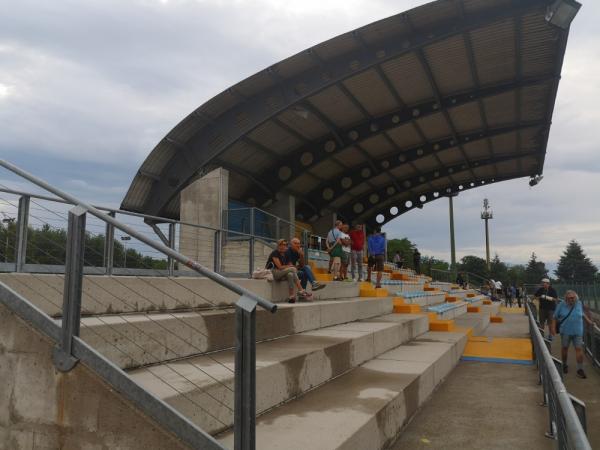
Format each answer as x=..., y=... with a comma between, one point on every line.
x=109, y=246
x=305, y=244
x=22, y=228
x=251, y=242
x=217, y=252
x=171, y=261
x=63, y=355
x=244, y=423
x=277, y=233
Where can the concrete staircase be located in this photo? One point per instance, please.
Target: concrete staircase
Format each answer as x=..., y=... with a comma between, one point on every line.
x=343, y=372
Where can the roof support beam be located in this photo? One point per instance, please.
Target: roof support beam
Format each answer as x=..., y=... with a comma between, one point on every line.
x=388, y=216
x=371, y=199
x=290, y=168
x=215, y=138
x=327, y=192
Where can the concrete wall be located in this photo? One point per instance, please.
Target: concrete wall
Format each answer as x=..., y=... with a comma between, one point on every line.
x=41, y=408
x=116, y=294
x=203, y=203
x=235, y=256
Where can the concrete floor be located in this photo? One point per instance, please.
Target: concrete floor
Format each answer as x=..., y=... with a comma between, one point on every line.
x=483, y=405
x=587, y=390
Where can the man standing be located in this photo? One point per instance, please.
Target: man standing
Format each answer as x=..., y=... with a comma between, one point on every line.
x=334, y=248
x=568, y=322
x=398, y=260
x=417, y=261
x=547, y=298
x=376, y=246
x=358, y=243
x=295, y=255
x=346, y=251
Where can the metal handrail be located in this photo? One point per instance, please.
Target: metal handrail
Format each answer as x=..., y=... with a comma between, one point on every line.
x=158, y=219
x=245, y=308
x=150, y=219
x=254, y=208
x=564, y=422
x=591, y=339
x=217, y=278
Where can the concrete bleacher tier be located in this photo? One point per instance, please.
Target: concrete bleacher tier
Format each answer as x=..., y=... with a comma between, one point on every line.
x=347, y=368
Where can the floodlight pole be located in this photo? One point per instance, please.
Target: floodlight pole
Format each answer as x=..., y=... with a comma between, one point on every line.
x=486, y=215
x=452, y=241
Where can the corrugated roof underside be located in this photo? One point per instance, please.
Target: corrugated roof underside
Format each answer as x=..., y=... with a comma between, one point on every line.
x=302, y=120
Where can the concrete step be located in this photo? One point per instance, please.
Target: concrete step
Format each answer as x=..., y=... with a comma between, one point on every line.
x=422, y=298
x=403, y=285
x=448, y=311
x=201, y=387
x=127, y=294
x=131, y=340
x=367, y=407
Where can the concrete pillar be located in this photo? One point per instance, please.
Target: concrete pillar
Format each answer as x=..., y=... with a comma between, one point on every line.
x=203, y=202
x=322, y=226
x=284, y=208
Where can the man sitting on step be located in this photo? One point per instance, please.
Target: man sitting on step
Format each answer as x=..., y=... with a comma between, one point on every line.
x=282, y=269
x=295, y=255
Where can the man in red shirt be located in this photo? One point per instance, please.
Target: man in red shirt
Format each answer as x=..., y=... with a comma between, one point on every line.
x=357, y=236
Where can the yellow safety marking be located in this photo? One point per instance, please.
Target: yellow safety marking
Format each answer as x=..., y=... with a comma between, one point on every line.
x=504, y=309
x=505, y=348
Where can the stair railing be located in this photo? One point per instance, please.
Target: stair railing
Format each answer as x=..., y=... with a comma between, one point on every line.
x=65, y=358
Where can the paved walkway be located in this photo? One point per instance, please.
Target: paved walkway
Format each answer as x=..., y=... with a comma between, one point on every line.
x=484, y=405
x=587, y=390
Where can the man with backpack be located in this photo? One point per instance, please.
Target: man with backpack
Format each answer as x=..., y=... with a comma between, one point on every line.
x=568, y=322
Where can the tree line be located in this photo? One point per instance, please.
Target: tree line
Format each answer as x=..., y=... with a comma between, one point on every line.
x=574, y=266
x=47, y=246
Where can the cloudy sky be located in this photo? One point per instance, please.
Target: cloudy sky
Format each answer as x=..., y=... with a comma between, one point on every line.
x=87, y=88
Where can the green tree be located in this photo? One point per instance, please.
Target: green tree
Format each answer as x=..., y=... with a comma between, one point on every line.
x=473, y=264
x=574, y=266
x=405, y=247
x=535, y=270
x=498, y=269
x=429, y=263
x=516, y=274
x=47, y=246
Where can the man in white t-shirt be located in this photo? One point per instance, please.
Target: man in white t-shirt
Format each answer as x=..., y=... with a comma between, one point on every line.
x=499, y=289
x=347, y=251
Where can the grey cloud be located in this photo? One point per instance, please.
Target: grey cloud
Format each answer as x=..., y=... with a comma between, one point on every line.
x=96, y=84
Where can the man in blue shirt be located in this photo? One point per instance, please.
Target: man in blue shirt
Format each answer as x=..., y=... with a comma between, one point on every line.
x=376, y=245
x=569, y=317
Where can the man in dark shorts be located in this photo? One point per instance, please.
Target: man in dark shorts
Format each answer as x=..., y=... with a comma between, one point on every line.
x=376, y=246
x=417, y=261
x=295, y=255
x=547, y=298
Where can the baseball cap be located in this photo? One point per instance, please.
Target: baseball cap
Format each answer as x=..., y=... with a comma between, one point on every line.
x=545, y=280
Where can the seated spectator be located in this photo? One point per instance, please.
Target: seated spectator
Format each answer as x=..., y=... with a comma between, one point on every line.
x=282, y=269
x=295, y=255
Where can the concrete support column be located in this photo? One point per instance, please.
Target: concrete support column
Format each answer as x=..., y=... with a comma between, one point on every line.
x=284, y=208
x=322, y=226
x=203, y=202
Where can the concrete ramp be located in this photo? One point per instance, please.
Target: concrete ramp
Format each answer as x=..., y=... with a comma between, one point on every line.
x=41, y=408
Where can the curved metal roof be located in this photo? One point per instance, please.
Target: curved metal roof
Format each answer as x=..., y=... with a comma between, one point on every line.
x=377, y=121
